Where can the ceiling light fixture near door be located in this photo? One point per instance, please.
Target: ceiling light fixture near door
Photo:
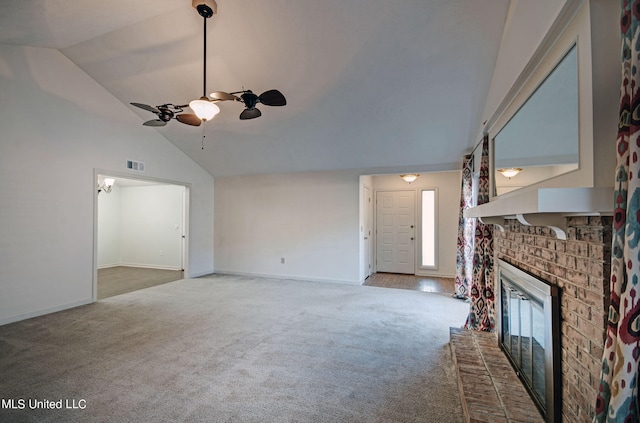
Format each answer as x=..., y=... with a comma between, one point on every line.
x=410, y=177
x=509, y=172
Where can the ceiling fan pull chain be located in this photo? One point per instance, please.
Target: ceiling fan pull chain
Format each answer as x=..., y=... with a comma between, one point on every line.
x=203, y=135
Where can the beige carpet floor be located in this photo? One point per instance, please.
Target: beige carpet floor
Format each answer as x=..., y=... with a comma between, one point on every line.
x=237, y=349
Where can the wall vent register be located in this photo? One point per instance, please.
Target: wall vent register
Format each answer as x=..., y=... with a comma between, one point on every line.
x=529, y=334
x=135, y=165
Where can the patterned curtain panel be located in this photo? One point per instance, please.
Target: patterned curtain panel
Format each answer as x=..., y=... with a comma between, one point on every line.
x=618, y=393
x=481, y=306
x=464, y=252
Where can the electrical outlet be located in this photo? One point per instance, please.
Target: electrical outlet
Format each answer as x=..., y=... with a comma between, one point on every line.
x=161, y=252
x=281, y=260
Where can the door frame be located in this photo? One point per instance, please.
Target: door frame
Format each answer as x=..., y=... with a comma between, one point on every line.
x=185, y=217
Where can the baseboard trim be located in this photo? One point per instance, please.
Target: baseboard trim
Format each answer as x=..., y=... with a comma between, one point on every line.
x=140, y=266
x=435, y=275
x=200, y=274
x=289, y=277
x=42, y=312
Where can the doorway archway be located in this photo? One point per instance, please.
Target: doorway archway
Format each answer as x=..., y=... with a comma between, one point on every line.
x=141, y=230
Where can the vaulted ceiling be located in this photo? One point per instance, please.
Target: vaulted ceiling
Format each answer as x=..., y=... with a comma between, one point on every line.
x=376, y=85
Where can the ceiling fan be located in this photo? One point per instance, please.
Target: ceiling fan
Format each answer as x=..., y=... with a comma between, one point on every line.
x=205, y=108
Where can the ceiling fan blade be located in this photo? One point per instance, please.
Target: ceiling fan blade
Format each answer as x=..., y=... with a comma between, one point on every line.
x=146, y=107
x=189, y=119
x=155, y=122
x=272, y=98
x=221, y=95
x=250, y=114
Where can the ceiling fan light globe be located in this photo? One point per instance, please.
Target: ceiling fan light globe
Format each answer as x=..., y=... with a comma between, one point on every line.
x=204, y=109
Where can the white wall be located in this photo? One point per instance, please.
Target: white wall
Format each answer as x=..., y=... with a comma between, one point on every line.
x=448, y=198
x=151, y=224
x=309, y=219
x=57, y=127
x=141, y=226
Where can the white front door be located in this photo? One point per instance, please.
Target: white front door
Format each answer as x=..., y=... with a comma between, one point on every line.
x=395, y=231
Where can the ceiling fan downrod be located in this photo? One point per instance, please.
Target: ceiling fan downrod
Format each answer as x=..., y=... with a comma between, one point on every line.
x=206, y=9
x=203, y=108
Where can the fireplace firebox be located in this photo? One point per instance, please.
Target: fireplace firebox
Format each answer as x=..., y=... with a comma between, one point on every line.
x=529, y=334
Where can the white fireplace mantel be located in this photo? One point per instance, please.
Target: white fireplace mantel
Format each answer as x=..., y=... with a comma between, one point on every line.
x=545, y=207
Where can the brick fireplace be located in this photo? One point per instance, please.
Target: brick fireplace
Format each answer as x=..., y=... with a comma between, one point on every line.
x=580, y=267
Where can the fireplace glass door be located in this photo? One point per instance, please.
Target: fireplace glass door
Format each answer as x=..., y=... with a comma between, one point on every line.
x=528, y=329
x=523, y=334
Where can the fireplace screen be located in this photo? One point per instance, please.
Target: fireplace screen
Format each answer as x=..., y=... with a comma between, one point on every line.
x=528, y=332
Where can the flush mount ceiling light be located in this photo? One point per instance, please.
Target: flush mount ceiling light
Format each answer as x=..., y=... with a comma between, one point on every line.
x=105, y=184
x=410, y=177
x=509, y=172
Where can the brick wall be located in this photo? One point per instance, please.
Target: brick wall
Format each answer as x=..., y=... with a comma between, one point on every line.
x=580, y=266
